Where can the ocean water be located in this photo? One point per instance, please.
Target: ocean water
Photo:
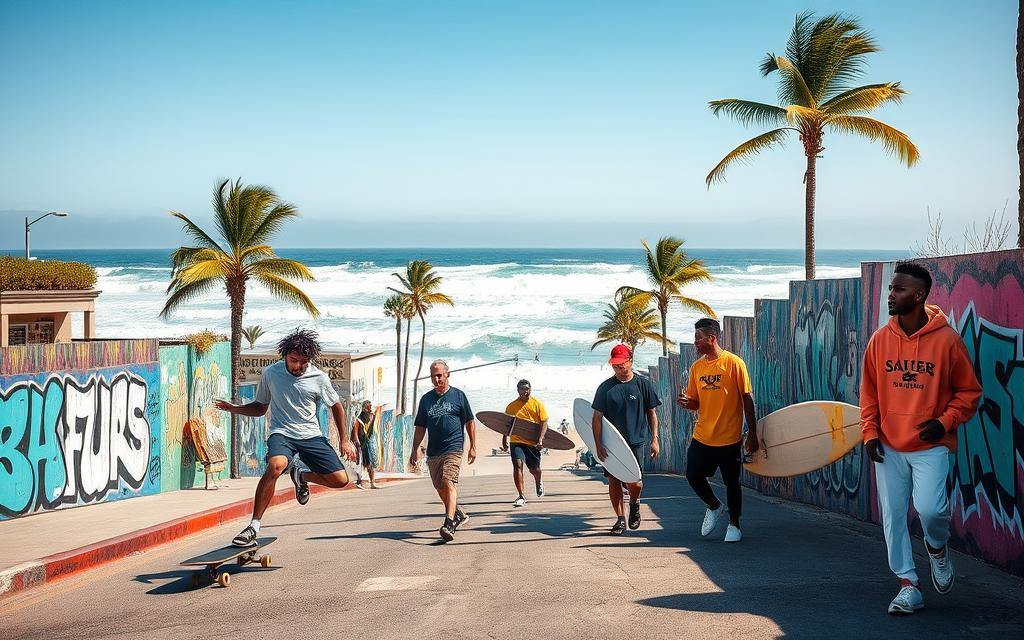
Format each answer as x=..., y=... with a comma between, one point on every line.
x=543, y=305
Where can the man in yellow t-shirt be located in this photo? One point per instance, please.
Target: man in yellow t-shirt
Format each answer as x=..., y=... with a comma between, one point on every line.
x=523, y=450
x=718, y=389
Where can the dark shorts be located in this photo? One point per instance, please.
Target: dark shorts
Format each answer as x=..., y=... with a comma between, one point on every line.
x=528, y=454
x=704, y=460
x=640, y=452
x=316, y=453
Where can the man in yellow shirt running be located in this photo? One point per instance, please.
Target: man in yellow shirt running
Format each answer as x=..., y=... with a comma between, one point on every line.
x=529, y=408
x=718, y=389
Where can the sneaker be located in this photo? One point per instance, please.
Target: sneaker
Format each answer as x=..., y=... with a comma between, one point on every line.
x=461, y=518
x=540, y=489
x=907, y=601
x=634, y=515
x=619, y=527
x=245, y=538
x=942, y=570
x=301, y=488
x=360, y=485
x=711, y=517
x=447, y=530
x=374, y=485
x=733, y=534
x=520, y=501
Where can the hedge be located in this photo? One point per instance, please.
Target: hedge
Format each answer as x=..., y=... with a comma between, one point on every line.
x=19, y=274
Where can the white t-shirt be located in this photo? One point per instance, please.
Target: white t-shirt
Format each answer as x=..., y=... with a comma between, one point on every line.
x=293, y=399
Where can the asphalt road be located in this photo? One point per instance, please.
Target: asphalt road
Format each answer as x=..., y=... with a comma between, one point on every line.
x=370, y=565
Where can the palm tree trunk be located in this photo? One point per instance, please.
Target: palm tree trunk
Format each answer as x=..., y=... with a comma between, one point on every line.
x=423, y=347
x=236, y=293
x=810, y=180
x=398, y=363
x=664, y=331
x=405, y=369
x=1020, y=124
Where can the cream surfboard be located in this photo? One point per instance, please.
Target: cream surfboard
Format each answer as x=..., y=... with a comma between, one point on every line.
x=620, y=461
x=804, y=437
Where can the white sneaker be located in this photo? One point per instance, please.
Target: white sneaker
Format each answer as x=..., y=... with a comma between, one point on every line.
x=907, y=601
x=711, y=517
x=942, y=570
x=733, y=534
x=520, y=501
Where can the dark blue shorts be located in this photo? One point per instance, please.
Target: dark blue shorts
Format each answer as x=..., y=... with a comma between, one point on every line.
x=316, y=453
x=528, y=454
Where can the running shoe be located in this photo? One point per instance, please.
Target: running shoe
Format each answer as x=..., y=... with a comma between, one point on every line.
x=711, y=517
x=619, y=527
x=634, y=515
x=447, y=530
x=520, y=501
x=907, y=601
x=301, y=488
x=461, y=518
x=733, y=534
x=942, y=570
x=245, y=538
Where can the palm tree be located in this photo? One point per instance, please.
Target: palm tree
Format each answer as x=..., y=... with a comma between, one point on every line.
x=822, y=59
x=629, y=322
x=669, y=269
x=252, y=334
x=246, y=217
x=397, y=307
x=421, y=291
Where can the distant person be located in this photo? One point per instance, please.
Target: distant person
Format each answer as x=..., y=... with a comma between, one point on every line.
x=524, y=451
x=291, y=388
x=362, y=432
x=718, y=389
x=444, y=413
x=918, y=386
x=564, y=427
x=628, y=401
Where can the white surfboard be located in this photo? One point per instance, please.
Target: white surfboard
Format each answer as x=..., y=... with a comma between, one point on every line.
x=620, y=461
x=804, y=437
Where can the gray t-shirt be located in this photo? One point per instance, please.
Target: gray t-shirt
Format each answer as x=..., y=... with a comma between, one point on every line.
x=293, y=400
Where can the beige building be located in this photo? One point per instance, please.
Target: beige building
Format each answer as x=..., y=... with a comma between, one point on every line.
x=34, y=317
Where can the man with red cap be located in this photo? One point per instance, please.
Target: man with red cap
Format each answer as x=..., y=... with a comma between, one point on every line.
x=628, y=401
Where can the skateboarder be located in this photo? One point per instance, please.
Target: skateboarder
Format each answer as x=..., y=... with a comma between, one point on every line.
x=443, y=413
x=629, y=402
x=291, y=389
x=525, y=451
x=362, y=431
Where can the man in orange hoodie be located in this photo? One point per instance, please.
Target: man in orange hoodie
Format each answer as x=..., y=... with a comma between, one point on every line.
x=918, y=387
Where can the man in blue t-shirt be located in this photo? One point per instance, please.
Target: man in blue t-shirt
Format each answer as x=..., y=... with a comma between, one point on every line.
x=443, y=414
x=291, y=388
x=629, y=402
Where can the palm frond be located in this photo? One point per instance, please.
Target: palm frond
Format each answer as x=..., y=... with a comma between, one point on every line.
x=195, y=232
x=793, y=87
x=640, y=298
x=803, y=116
x=864, y=99
x=256, y=251
x=287, y=291
x=437, y=298
x=282, y=267
x=745, y=151
x=749, y=113
x=695, y=305
x=217, y=268
x=893, y=140
x=183, y=293
x=272, y=222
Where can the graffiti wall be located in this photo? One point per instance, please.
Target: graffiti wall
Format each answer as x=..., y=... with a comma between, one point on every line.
x=189, y=384
x=80, y=436
x=983, y=296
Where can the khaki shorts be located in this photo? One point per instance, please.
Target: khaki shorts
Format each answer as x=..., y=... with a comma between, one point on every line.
x=445, y=467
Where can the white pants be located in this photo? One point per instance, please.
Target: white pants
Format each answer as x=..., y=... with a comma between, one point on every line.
x=921, y=474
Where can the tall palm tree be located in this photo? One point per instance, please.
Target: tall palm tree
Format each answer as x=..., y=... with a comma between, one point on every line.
x=669, y=269
x=421, y=291
x=629, y=322
x=246, y=218
x=823, y=58
x=397, y=307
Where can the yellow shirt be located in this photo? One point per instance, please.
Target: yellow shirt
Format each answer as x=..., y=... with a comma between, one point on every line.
x=719, y=386
x=531, y=410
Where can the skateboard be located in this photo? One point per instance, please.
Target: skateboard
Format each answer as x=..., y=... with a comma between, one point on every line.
x=212, y=561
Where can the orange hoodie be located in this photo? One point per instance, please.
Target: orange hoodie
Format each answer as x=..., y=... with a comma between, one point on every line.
x=909, y=380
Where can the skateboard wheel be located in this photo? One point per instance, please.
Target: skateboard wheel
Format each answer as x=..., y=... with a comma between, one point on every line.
x=224, y=579
x=265, y=561
x=195, y=580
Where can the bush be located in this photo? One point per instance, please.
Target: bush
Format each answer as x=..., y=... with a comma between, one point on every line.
x=19, y=274
x=204, y=340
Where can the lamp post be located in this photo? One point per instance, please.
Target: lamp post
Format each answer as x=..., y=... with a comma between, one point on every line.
x=59, y=214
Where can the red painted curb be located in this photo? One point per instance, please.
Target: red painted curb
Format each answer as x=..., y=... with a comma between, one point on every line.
x=61, y=565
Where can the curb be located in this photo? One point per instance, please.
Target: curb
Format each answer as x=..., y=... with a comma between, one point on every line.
x=35, y=573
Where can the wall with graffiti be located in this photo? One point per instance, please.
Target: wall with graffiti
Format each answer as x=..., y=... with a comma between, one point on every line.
x=81, y=435
x=189, y=384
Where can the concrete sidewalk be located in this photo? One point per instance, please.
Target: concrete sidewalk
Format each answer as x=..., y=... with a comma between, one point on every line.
x=47, y=546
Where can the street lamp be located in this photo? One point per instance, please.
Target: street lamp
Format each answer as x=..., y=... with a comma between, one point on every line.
x=59, y=214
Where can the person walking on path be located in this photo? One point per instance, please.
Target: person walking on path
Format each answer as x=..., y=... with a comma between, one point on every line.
x=718, y=389
x=629, y=402
x=362, y=432
x=917, y=387
x=292, y=388
x=526, y=407
x=444, y=413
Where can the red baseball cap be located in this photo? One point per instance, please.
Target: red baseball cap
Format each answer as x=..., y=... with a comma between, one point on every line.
x=620, y=354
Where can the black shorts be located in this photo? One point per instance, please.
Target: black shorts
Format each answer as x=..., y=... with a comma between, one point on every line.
x=640, y=452
x=704, y=460
x=316, y=453
x=528, y=454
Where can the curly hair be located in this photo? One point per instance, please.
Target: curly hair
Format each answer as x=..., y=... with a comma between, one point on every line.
x=304, y=342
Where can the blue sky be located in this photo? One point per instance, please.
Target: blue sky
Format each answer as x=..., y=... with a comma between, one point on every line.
x=482, y=123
